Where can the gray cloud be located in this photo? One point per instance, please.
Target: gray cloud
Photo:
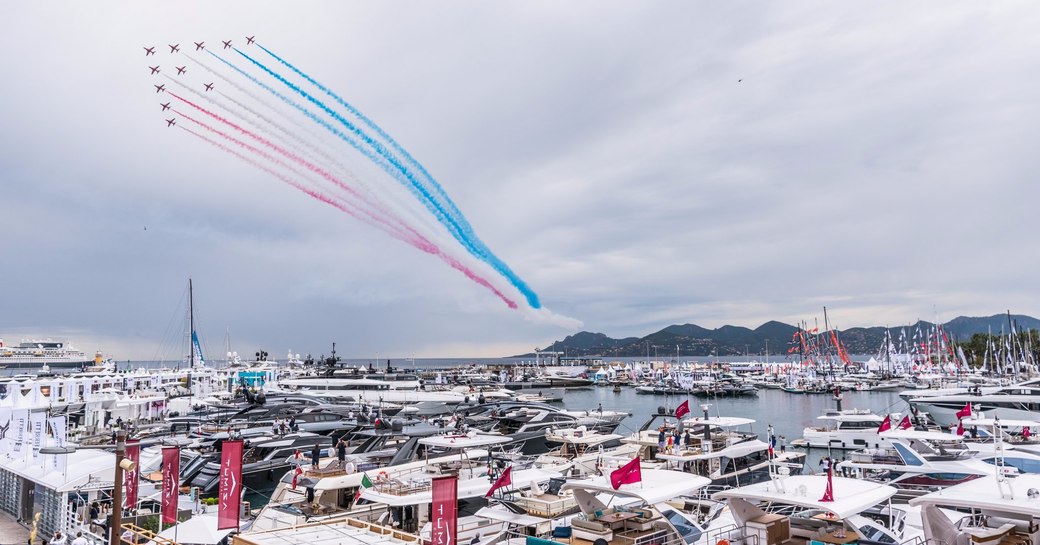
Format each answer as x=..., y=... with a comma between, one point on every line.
x=873, y=160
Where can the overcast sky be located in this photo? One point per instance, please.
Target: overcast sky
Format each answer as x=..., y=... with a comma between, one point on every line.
x=638, y=164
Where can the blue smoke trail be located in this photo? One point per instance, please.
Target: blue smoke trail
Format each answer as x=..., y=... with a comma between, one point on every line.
x=371, y=124
x=462, y=233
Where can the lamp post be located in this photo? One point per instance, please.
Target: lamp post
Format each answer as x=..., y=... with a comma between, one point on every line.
x=117, y=490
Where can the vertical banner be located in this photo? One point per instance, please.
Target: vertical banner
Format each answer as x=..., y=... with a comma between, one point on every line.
x=444, y=517
x=230, y=492
x=59, y=429
x=36, y=424
x=21, y=422
x=171, y=462
x=130, y=478
x=6, y=431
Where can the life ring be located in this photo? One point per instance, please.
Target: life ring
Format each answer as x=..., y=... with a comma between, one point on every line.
x=722, y=542
x=382, y=476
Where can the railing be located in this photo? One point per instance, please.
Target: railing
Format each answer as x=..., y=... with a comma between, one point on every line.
x=732, y=534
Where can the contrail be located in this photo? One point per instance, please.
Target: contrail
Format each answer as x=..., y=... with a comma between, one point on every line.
x=458, y=226
x=419, y=242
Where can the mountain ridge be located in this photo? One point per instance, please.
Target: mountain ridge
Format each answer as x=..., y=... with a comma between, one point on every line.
x=772, y=337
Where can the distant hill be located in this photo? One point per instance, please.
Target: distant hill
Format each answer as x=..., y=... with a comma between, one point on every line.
x=774, y=337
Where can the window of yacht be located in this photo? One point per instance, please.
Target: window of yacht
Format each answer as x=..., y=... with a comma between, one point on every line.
x=689, y=531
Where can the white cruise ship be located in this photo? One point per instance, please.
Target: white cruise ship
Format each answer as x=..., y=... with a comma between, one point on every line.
x=35, y=353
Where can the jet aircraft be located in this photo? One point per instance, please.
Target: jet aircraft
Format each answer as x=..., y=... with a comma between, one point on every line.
x=174, y=48
x=171, y=122
x=160, y=88
x=165, y=106
x=155, y=69
x=227, y=44
x=181, y=69
x=199, y=45
x=208, y=86
x=250, y=39
x=149, y=51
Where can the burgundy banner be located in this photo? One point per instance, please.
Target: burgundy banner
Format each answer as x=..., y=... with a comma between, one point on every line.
x=445, y=510
x=171, y=469
x=230, y=493
x=130, y=478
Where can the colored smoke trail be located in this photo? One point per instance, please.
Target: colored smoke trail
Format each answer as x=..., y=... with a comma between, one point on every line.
x=419, y=242
x=391, y=223
x=457, y=225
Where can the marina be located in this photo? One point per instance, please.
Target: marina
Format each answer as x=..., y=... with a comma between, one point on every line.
x=360, y=450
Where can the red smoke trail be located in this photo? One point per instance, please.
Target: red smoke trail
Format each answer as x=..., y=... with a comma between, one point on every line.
x=371, y=218
x=417, y=241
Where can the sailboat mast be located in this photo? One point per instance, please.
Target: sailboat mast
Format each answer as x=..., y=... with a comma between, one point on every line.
x=191, y=327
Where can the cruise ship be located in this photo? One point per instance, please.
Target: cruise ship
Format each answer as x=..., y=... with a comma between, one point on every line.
x=35, y=353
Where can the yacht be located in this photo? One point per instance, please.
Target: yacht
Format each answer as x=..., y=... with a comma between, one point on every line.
x=787, y=508
x=365, y=390
x=263, y=462
x=590, y=510
x=994, y=511
x=844, y=429
x=917, y=462
x=1017, y=402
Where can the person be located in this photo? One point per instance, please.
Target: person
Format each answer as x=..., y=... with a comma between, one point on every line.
x=600, y=409
x=80, y=540
x=687, y=440
x=660, y=438
x=341, y=452
x=59, y=538
x=475, y=540
x=315, y=456
x=93, y=513
x=783, y=444
x=310, y=494
x=293, y=426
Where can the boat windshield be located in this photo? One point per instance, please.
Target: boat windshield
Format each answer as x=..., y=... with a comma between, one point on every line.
x=689, y=531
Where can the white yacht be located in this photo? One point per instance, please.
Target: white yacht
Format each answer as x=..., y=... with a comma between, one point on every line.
x=1016, y=402
x=994, y=511
x=792, y=507
x=845, y=429
x=37, y=353
x=365, y=390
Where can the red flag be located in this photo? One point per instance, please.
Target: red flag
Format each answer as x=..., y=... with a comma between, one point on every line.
x=965, y=412
x=626, y=474
x=683, y=409
x=444, y=518
x=505, y=479
x=171, y=462
x=295, y=476
x=886, y=424
x=230, y=492
x=130, y=478
x=960, y=428
x=828, y=493
x=905, y=424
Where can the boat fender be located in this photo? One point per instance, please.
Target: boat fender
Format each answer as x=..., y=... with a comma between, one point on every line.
x=722, y=542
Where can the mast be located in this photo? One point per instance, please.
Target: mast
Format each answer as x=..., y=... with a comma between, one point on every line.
x=191, y=327
x=830, y=359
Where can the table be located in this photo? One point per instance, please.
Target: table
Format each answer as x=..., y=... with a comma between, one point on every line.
x=835, y=540
x=616, y=520
x=827, y=517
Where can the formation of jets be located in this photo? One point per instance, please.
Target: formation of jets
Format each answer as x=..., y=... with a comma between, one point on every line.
x=171, y=122
x=174, y=48
x=160, y=88
x=227, y=44
x=149, y=51
x=155, y=69
x=208, y=86
x=165, y=106
x=199, y=46
x=181, y=69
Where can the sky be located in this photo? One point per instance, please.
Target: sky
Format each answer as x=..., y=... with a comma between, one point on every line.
x=637, y=164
